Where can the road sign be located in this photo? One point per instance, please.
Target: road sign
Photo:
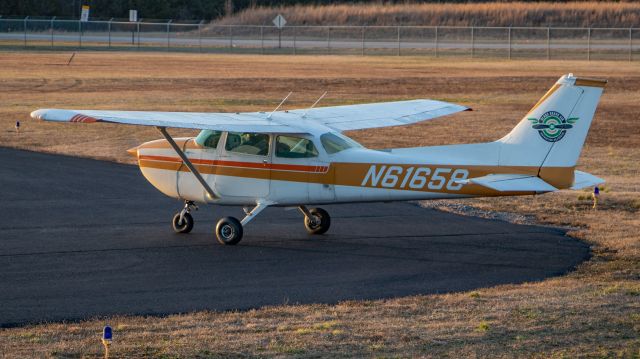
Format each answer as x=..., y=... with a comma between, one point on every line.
x=133, y=15
x=84, y=15
x=279, y=21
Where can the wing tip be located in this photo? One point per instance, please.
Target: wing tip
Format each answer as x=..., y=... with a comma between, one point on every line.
x=39, y=114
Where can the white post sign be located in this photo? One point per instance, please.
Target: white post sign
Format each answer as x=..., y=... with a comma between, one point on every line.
x=279, y=21
x=133, y=15
x=84, y=15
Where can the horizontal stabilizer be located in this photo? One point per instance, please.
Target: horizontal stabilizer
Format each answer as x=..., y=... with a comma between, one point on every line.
x=512, y=183
x=584, y=179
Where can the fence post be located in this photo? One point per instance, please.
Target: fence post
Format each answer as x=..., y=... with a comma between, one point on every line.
x=509, y=42
x=200, y=35
x=80, y=33
x=262, y=40
x=398, y=41
x=295, y=35
x=436, y=41
x=363, y=28
x=230, y=37
x=473, y=43
x=138, y=33
x=548, y=43
x=169, y=34
x=110, y=20
x=589, y=44
x=24, y=25
x=630, y=45
x=51, y=28
x=329, y=40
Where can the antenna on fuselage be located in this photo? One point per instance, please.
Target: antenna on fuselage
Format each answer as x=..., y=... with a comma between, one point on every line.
x=314, y=104
x=276, y=109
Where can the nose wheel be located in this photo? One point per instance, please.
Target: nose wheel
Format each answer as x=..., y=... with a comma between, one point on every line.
x=183, y=221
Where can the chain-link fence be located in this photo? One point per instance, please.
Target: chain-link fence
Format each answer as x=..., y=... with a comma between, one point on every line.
x=481, y=42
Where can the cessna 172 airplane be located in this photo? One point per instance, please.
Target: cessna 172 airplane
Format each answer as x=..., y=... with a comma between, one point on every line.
x=300, y=157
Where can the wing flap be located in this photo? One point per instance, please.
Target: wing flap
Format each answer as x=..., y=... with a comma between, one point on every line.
x=512, y=183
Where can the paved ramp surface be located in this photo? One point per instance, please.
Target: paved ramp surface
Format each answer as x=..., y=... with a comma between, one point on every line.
x=81, y=238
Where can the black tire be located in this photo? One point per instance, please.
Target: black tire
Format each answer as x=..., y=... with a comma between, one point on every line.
x=229, y=231
x=322, y=224
x=186, y=226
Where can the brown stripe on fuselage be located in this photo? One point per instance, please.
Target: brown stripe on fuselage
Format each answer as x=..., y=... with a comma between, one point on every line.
x=353, y=174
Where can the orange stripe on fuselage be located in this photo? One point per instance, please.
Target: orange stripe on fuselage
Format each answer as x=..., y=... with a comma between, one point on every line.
x=254, y=165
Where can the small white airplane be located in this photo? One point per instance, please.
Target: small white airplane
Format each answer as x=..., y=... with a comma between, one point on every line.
x=300, y=157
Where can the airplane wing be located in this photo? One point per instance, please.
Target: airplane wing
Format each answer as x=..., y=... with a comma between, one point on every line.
x=340, y=118
x=383, y=114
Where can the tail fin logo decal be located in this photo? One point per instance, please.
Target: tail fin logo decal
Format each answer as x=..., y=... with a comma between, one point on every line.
x=552, y=126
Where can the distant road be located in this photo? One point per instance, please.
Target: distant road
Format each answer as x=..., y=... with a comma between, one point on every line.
x=81, y=238
x=160, y=39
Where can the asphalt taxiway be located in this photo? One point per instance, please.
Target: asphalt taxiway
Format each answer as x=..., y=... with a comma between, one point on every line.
x=81, y=238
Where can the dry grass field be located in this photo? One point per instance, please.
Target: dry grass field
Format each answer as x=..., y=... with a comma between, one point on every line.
x=591, y=312
x=498, y=13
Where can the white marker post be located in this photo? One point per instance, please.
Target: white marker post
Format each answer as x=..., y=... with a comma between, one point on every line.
x=133, y=17
x=279, y=21
x=84, y=17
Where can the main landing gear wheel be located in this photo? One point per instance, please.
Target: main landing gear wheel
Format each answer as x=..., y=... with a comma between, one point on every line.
x=229, y=231
x=184, y=225
x=319, y=222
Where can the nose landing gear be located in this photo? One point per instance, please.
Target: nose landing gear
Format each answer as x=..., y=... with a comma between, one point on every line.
x=183, y=221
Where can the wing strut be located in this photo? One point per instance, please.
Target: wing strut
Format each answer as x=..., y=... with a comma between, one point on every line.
x=187, y=162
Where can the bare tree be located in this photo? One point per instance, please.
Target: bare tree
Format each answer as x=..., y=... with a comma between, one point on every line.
x=228, y=7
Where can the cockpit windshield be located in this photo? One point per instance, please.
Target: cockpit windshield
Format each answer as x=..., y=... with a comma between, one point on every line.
x=209, y=138
x=334, y=142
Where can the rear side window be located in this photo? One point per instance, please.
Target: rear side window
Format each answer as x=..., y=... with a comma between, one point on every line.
x=209, y=138
x=333, y=143
x=248, y=143
x=295, y=147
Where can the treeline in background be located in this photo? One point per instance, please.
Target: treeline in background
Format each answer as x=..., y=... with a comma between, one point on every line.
x=324, y=12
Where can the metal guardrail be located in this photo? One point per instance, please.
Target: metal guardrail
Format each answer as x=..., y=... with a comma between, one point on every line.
x=506, y=42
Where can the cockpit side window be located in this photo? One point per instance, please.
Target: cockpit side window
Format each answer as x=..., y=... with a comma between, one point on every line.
x=295, y=147
x=334, y=143
x=248, y=143
x=209, y=138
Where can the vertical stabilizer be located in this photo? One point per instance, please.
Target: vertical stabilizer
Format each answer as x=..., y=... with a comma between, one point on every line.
x=552, y=134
